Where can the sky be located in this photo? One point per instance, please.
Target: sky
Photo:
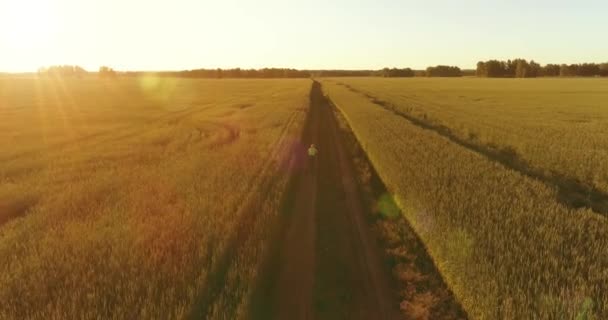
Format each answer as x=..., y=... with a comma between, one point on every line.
x=310, y=34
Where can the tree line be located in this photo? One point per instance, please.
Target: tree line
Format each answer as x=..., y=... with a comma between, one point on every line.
x=443, y=71
x=395, y=72
x=521, y=68
x=241, y=73
x=107, y=72
x=62, y=70
x=516, y=68
x=437, y=71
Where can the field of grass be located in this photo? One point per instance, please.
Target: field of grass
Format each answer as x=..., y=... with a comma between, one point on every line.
x=133, y=198
x=495, y=226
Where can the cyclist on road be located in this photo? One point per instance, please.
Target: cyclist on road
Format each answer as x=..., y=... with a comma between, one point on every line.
x=312, y=154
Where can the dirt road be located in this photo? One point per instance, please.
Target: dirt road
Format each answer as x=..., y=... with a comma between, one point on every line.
x=326, y=263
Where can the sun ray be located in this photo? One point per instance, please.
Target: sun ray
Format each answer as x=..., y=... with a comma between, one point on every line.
x=78, y=116
x=42, y=112
x=60, y=108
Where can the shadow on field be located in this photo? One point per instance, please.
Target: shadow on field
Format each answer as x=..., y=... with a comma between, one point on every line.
x=14, y=208
x=422, y=291
x=261, y=304
x=571, y=192
x=351, y=279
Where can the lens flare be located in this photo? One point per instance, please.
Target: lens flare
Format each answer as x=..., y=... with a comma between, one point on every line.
x=157, y=87
x=387, y=207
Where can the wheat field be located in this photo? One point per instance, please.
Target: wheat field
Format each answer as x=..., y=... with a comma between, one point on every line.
x=505, y=244
x=121, y=198
x=557, y=126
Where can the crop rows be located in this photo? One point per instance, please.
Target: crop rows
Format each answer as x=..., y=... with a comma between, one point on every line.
x=555, y=127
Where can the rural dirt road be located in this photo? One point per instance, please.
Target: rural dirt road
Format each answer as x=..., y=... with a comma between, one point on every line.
x=326, y=263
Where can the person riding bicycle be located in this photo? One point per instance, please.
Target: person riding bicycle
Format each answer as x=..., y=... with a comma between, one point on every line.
x=312, y=151
x=312, y=154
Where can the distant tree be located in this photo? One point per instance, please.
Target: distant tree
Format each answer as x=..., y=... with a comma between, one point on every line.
x=534, y=69
x=581, y=70
x=521, y=68
x=588, y=70
x=106, y=72
x=495, y=69
x=510, y=67
x=62, y=71
x=604, y=69
x=395, y=72
x=482, y=70
x=567, y=70
x=551, y=70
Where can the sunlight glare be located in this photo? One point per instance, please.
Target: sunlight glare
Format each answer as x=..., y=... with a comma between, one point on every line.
x=157, y=87
x=26, y=24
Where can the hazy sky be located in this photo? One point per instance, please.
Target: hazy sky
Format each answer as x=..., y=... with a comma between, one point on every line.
x=315, y=34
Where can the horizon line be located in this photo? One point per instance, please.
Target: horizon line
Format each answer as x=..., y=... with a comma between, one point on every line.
x=274, y=67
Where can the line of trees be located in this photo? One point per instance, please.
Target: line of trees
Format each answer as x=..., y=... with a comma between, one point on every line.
x=395, y=72
x=241, y=73
x=521, y=68
x=438, y=71
x=443, y=71
x=105, y=71
x=342, y=73
x=584, y=70
x=290, y=73
x=516, y=68
x=62, y=71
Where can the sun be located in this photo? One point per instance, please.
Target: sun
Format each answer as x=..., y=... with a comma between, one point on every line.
x=26, y=24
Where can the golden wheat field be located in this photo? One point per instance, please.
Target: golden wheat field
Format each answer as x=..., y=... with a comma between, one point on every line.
x=123, y=198
x=157, y=197
x=557, y=126
x=495, y=227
